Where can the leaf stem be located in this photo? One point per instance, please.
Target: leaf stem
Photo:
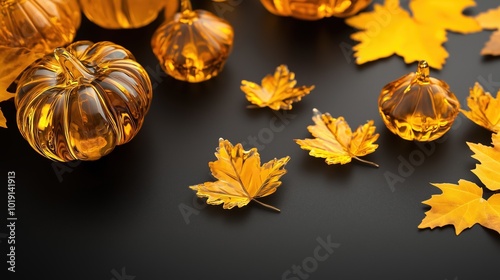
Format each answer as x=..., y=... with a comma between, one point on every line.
x=367, y=162
x=267, y=205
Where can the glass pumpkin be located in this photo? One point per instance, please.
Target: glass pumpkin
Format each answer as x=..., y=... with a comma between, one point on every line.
x=315, y=9
x=124, y=14
x=417, y=106
x=194, y=45
x=38, y=25
x=79, y=102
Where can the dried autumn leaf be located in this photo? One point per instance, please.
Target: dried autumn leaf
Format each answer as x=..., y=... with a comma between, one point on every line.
x=492, y=220
x=462, y=206
x=446, y=14
x=336, y=143
x=13, y=62
x=492, y=47
x=389, y=29
x=484, y=108
x=488, y=171
x=491, y=20
x=278, y=91
x=241, y=178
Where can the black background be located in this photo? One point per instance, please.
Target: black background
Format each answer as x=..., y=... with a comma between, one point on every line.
x=122, y=214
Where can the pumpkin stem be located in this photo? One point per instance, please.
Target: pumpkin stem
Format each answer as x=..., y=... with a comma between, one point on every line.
x=186, y=6
x=187, y=13
x=72, y=67
x=423, y=71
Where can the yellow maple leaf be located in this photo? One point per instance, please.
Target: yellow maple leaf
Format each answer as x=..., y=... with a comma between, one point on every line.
x=488, y=171
x=13, y=62
x=389, y=29
x=492, y=220
x=462, y=206
x=277, y=92
x=491, y=20
x=400, y=35
x=446, y=14
x=241, y=178
x=336, y=143
x=484, y=108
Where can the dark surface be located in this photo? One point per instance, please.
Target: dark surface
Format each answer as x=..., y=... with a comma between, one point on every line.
x=121, y=215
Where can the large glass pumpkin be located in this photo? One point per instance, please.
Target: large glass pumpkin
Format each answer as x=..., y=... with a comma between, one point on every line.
x=79, y=102
x=315, y=9
x=38, y=25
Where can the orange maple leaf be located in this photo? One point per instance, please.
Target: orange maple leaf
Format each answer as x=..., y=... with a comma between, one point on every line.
x=336, y=143
x=389, y=29
x=491, y=20
x=488, y=171
x=484, y=108
x=241, y=178
x=462, y=206
x=277, y=92
x=446, y=14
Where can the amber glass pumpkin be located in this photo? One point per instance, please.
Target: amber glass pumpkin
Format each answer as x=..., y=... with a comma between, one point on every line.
x=194, y=45
x=79, y=102
x=122, y=14
x=39, y=25
x=417, y=106
x=315, y=9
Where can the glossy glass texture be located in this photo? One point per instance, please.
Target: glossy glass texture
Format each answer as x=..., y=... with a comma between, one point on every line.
x=417, y=106
x=79, y=102
x=315, y=9
x=194, y=45
x=122, y=14
x=39, y=25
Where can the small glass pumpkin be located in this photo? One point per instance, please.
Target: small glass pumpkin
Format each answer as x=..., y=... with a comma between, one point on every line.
x=38, y=25
x=315, y=9
x=124, y=14
x=194, y=45
x=79, y=102
x=417, y=106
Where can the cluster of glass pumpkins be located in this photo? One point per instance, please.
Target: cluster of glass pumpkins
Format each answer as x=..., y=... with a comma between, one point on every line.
x=82, y=99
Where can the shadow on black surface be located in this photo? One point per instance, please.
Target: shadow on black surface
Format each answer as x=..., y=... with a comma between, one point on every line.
x=474, y=133
x=394, y=146
x=301, y=108
x=305, y=40
x=234, y=216
x=489, y=59
x=96, y=190
x=340, y=174
x=182, y=96
x=493, y=235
